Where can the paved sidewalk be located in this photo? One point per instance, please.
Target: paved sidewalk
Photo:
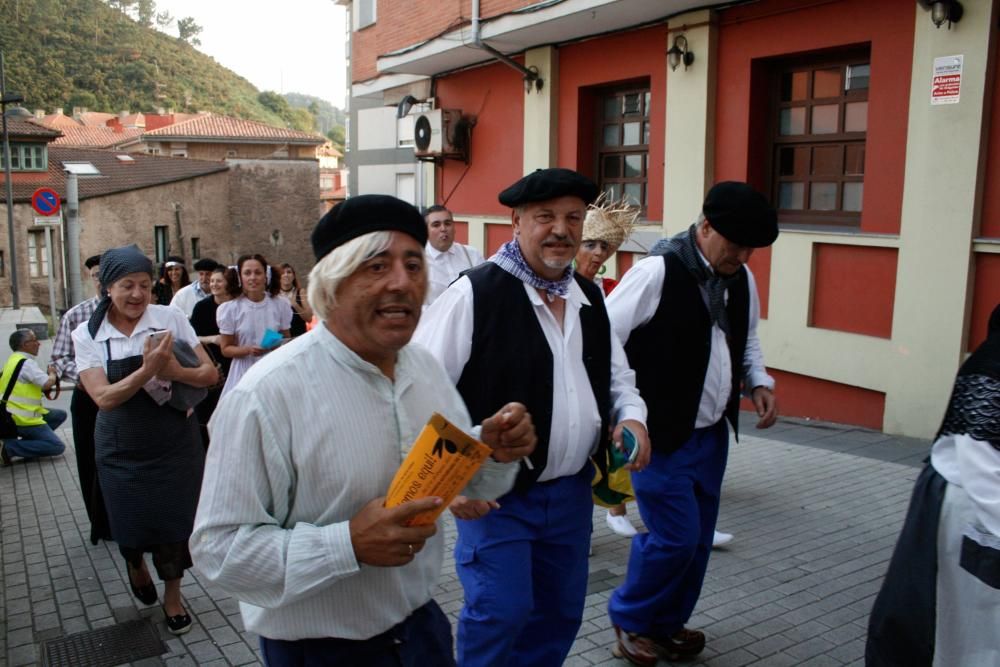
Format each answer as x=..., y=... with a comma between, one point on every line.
x=815, y=509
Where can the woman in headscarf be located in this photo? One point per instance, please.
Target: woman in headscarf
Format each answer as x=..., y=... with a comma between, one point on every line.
x=605, y=228
x=940, y=601
x=257, y=315
x=148, y=453
x=173, y=276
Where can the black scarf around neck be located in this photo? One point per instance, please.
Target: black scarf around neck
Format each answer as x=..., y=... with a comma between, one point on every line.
x=685, y=248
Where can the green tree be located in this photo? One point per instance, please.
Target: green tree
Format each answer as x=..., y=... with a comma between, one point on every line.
x=301, y=119
x=81, y=98
x=145, y=11
x=188, y=30
x=276, y=103
x=336, y=135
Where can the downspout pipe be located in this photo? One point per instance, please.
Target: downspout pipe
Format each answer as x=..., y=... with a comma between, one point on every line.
x=531, y=78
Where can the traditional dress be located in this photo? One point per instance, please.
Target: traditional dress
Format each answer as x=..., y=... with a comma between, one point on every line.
x=940, y=602
x=247, y=321
x=149, y=457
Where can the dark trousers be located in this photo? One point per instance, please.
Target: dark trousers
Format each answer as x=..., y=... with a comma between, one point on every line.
x=423, y=639
x=83, y=413
x=678, y=498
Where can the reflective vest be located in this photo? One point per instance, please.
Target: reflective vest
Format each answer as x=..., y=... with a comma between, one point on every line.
x=25, y=402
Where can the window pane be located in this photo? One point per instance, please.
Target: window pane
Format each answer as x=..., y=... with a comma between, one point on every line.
x=793, y=86
x=633, y=193
x=852, y=196
x=823, y=196
x=645, y=104
x=645, y=133
x=791, y=195
x=613, y=191
x=631, y=134
x=856, y=117
x=854, y=162
x=824, y=119
x=793, y=161
x=633, y=166
x=611, y=135
x=632, y=103
x=612, y=166
x=793, y=121
x=827, y=160
x=612, y=107
x=826, y=83
x=857, y=76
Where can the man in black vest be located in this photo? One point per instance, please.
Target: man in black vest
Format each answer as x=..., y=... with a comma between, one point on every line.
x=688, y=315
x=523, y=327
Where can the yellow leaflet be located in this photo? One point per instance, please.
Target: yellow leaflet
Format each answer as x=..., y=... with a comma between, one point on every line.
x=441, y=462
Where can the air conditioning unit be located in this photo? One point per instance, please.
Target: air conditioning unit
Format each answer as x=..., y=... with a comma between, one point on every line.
x=442, y=133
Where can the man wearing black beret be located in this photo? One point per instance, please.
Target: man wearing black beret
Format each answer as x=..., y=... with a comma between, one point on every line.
x=187, y=296
x=292, y=519
x=688, y=315
x=523, y=327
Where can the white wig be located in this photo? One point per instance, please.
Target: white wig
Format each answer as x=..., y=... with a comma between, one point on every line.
x=341, y=262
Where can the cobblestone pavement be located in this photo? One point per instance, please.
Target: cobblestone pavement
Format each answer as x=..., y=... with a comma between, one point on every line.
x=815, y=509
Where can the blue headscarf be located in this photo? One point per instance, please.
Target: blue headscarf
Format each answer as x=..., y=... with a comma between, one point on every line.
x=116, y=263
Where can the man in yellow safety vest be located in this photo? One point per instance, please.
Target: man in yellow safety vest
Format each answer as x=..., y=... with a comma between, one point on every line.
x=35, y=424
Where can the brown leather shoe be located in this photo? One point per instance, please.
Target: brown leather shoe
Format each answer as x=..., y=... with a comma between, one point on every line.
x=635, y=648
x=682, y=645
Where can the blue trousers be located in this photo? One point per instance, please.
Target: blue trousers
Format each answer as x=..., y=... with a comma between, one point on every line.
x=524, y=571
x=41, y=440
x=678, y=498
x=422, y=639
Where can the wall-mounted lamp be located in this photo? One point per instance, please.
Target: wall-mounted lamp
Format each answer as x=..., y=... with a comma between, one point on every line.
x=942, y=11
x=679, y=53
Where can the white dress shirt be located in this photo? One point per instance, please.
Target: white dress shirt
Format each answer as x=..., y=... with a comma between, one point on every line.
x=634, y=302
x=93, y=352
x=446, y=330
x=187, y=296
x=443, y=268
x=310, y=435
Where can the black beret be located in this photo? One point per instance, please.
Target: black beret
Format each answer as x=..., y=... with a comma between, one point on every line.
x=741, y=214
x=206, y=264
x=362, y=215
x=546, y=184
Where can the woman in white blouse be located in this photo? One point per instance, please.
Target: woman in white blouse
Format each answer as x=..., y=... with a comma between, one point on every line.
x=255, y=310
x=148, y=453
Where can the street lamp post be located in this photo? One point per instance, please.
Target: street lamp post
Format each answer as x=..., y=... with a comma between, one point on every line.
x=5, y=99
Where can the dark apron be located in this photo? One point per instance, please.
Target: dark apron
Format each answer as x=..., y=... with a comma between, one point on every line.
x=149, y=463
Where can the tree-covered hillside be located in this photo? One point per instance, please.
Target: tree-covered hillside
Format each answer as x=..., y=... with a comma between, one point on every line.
x=67, y=53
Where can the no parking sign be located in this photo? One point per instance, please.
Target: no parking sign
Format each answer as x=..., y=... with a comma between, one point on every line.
x=45, y=201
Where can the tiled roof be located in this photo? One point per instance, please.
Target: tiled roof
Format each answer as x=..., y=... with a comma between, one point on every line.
x=58, y=121
x=96, y=118
x=142, y=171
x=215, y=128
x=97, y=137
x=16, y=127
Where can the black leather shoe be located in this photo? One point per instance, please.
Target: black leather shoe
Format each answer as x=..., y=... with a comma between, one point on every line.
x=179, y=624
x=146, y=593
x=4, y=456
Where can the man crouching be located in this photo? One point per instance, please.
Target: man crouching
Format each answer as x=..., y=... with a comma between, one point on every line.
x=291, y=519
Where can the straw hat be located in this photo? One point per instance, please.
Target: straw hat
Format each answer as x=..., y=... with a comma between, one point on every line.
x=609, y=221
